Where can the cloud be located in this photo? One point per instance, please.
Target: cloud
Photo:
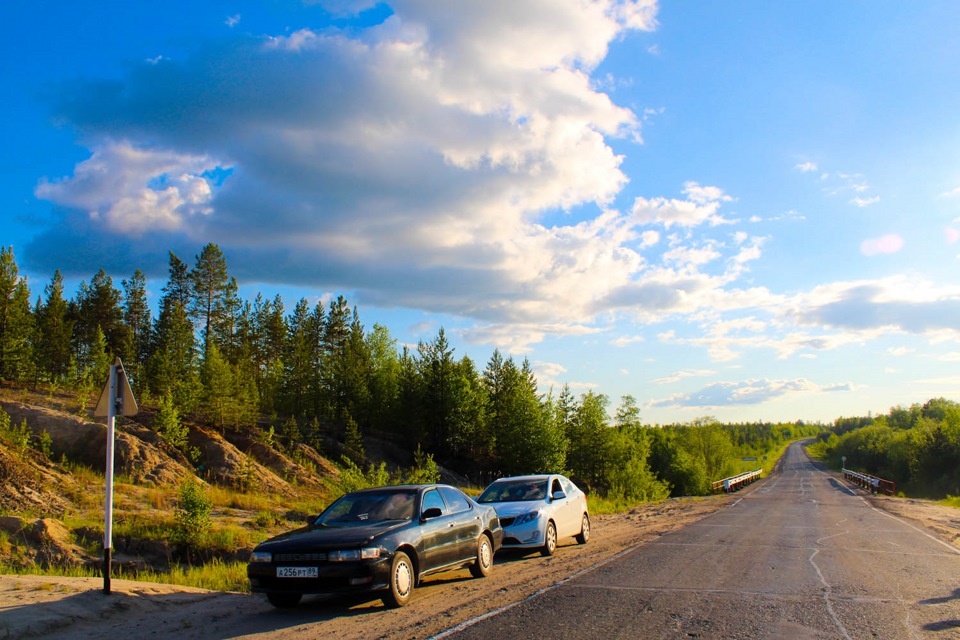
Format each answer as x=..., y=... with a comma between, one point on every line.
x=132, y=191
x=412, y=164
x=409, y=162
x=838, y=183
x=517, y=338
x=680, y=375
x=952, y=235
x=902, y=304
x=700, y=207
x=890, y=243
x=865, y=202
x=747, y=392
x=232, y=21
x=626, y=341
x=900, y=351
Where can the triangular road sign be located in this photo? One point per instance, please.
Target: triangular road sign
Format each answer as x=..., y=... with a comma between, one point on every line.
x=127, y=405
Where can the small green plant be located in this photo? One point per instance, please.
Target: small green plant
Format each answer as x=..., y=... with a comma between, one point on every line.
x=18, y=437
x=45, y=444
x=424, y=470
x=263, y=519
x=192, y=514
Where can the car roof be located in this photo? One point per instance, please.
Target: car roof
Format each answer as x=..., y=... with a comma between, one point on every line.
x=542, y=476
x=419, y=487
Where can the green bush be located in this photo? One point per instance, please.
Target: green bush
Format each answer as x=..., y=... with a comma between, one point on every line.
x=192, y=514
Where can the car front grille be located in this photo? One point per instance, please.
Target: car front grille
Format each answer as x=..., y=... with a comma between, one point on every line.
x=299, y=557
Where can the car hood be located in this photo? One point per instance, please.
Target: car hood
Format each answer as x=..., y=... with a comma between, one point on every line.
x=328, y=537
x=506, y=509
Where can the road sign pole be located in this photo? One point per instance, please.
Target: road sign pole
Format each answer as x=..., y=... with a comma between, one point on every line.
x=115, y=399
x=108, y=516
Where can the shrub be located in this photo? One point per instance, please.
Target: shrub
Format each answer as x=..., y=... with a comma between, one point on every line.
x=192, y=514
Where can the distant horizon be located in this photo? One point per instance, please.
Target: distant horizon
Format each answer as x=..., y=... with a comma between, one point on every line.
x=749, y=212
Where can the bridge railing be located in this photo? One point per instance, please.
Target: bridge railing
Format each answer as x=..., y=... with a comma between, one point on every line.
x=733, y=483
x=873, y=483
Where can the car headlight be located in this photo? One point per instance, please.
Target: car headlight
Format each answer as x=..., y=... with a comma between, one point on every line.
x=261, y=556
x=524, y=518
x=353, y=555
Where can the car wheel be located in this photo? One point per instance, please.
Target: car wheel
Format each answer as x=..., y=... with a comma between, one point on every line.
x=483, y=565
x=402, y=580
x=284, y=600
x=584, y=534
x=549, y=540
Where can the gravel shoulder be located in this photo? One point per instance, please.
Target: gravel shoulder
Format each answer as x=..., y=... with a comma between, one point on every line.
x=77, y=608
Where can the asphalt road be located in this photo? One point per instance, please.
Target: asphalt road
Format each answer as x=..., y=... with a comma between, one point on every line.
x=800, y=555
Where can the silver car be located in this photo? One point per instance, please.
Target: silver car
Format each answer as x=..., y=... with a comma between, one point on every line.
x=537, y=511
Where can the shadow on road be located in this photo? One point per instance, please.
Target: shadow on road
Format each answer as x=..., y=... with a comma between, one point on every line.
x=943, y=599
x=942, y=625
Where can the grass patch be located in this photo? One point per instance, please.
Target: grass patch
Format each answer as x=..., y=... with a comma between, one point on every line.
x=950, y=501
x=215, y=575
x=598, y=505
x=231, y=499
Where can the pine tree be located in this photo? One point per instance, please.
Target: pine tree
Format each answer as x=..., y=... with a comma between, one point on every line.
x=436, y=363
x=173, y=366
x=353, y=448
x=227, y=322
x=297, y=360
x=336, y=331
x=99, y=333
x=217, y=404
x=356, y=371
x=16, y=321
x=587, y=436
x=54, y=333
x=136, y=315
x=209, y=284
x=384, y=376
x=178, y=288
x=167, y=423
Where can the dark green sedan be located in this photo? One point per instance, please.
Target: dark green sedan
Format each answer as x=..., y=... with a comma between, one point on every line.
x=385, y=539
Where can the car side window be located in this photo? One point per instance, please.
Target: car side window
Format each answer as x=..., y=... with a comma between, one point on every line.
x=568, y=487
x=456, y=501
x=431, y=500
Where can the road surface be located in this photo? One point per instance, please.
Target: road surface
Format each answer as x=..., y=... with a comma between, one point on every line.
x=799, y=555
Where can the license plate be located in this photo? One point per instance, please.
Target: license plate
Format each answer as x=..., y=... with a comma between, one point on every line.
x=296, y=572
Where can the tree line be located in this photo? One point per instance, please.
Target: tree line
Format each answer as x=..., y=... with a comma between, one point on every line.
x=316, y=372
x=917, y=447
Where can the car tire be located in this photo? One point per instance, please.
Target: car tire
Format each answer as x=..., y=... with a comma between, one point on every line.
x=284, y=600
x=584, y=534
x=549, y=540
x=483, y=565
x=403, y=577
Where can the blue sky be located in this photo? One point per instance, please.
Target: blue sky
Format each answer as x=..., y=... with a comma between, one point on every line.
x=748, y=210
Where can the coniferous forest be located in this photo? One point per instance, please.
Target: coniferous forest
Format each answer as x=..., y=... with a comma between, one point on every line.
x=308, y=373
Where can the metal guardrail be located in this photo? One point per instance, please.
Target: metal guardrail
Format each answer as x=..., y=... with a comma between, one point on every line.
x=873, y=483
x=733, y=483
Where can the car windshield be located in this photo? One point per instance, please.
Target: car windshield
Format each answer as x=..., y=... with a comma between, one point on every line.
x=514, y=491
x=368, y=507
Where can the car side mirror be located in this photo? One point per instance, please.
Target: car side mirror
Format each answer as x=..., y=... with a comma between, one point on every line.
x=432, y=512
x=558, y=495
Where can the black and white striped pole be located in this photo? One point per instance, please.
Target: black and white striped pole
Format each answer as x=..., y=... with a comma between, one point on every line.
x=115, y=399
